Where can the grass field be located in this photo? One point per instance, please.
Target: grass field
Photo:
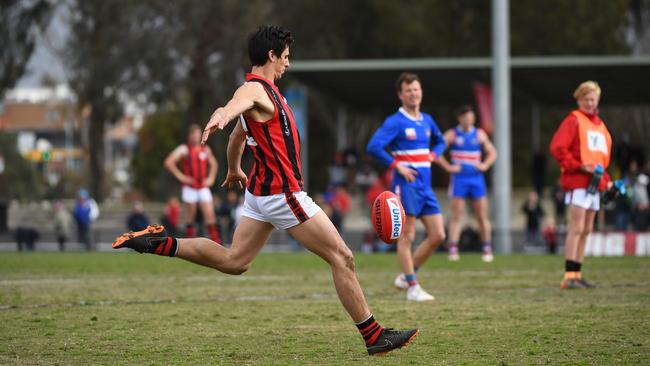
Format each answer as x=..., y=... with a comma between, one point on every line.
x=123, y=308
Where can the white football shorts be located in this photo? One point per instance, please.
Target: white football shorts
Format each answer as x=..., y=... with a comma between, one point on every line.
x=579, y=197
x=284, y=210
x=194, y=195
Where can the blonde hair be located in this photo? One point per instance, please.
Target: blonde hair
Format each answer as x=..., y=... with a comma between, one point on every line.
x=586, y=88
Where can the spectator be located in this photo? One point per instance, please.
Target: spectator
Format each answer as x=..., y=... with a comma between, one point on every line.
x=339, y=200
x=62, y=224
x=559, y=205
x=26, y=238
x=534, y=214
x=85, y=212
x=623, y=202
x=641, y=202
x=226, y=214
x=137, y=220
x=366, y=175
x=337, y=172
x=539, y=171
x=171, y=216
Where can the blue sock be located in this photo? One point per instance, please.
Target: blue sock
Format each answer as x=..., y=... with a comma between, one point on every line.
x=410, y=278
x=487, y=247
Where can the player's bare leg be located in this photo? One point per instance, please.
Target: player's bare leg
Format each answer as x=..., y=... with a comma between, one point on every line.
x=207, y=209
x=435, y=228
x=457, y=210
x=407, y=280
x=319, y=235
x=249, y=238
x=480, y=207
x=576, y=227
x=190, y=211
x=588, y=227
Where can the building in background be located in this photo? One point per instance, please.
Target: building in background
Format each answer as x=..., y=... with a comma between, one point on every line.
x=48, y=126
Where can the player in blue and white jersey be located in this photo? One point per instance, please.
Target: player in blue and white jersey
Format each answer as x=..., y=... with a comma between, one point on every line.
x=414, y=141
x=466, y=144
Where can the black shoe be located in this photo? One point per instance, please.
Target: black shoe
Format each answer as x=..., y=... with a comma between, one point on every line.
x=143, y=241
x=391, y=339
x=586, y=284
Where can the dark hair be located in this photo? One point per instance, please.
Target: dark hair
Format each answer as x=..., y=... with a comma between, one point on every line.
x=463, y=109
x=405, y=77
x=265, y=38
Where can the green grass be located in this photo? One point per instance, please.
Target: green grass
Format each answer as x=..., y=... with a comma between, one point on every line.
x=117, y=308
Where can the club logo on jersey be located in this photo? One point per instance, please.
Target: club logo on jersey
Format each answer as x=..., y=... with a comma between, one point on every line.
x=285, y=122
x=410, y=133
x=596, y=142
x=428, y=133
x=202, y=155
x=250, y=141
x=396, y=217
x=459, y=140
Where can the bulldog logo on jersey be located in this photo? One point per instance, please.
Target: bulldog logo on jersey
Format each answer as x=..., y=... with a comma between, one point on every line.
x=410, y=133
x=459, y=140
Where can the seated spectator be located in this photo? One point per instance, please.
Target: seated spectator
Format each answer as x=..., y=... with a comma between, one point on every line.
x=137, y=220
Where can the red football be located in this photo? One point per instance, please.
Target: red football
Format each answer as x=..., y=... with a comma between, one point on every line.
x=388, y=217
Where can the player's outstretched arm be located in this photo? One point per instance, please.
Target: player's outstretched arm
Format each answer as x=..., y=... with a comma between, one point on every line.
x=244, y=99
x=490, y=150
x=236, y=178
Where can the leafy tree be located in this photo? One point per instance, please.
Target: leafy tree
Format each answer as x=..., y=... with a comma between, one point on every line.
x=160, y=134
x=20, y=22
x=20, y=180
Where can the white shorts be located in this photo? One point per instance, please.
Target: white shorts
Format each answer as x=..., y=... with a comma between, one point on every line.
x=194, y=195
x=579, y=197
x=284, y=210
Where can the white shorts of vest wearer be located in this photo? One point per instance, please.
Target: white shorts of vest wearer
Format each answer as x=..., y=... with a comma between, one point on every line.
x=275, y=209
x=194, y=195
x=579, y=197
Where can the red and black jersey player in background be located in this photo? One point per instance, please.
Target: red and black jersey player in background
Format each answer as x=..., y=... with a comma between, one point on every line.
x=197, y=174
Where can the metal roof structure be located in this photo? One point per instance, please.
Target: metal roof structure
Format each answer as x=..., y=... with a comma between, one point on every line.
x=545, y=79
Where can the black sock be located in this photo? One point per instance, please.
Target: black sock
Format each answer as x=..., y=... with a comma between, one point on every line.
x=571, y=266
x=578, y=266
x=168, y=247
x=370, y=330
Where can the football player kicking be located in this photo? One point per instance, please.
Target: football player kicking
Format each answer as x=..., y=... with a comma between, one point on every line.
x=274, y=196
x=409, y=134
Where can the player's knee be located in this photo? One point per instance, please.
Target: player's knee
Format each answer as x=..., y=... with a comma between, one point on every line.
x=586, y=231
x=344, y=258
x=437, y=237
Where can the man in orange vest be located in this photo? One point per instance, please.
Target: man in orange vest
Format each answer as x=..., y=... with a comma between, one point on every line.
x=199, y=171
x=582, y=147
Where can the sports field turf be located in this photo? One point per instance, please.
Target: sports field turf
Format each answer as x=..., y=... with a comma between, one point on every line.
x=126, y=308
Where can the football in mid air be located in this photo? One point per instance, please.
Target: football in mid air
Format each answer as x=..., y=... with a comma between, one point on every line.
x=388, y=217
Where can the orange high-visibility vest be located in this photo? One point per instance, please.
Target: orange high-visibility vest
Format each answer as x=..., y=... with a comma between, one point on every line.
x=595, y=141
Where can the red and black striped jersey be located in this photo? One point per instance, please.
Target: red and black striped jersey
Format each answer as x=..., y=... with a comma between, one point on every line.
x=275, y=145
x=195, y=164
